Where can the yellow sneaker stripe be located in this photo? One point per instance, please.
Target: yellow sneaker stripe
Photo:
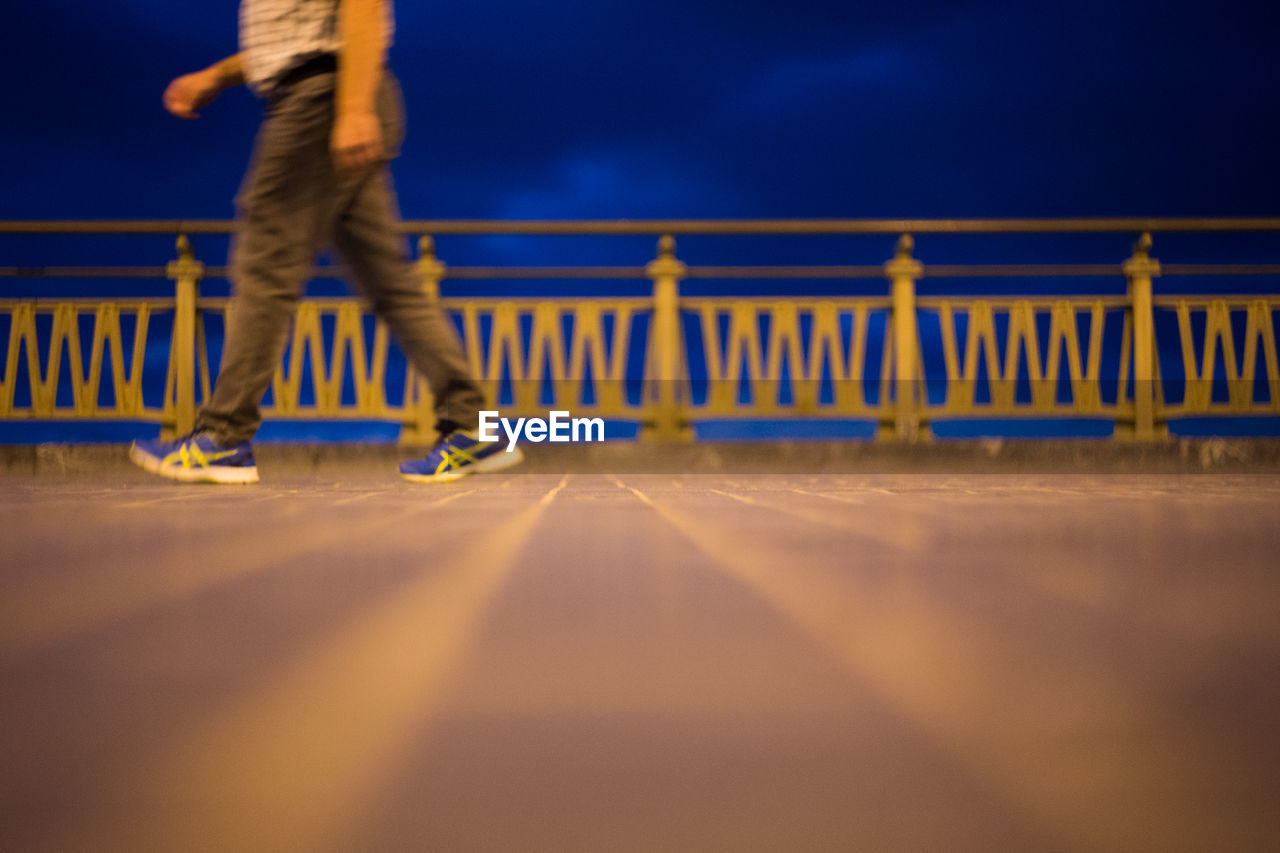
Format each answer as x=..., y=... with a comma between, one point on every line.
x=191, y=456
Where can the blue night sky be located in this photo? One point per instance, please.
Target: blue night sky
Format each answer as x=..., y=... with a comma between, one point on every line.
x=697, y=108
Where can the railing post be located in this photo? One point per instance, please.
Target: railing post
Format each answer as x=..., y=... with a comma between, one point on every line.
x=186, y=273
x=430, y=270
x=663, y=364
x=902, y=272
x=419, y=422
x=1140, y=270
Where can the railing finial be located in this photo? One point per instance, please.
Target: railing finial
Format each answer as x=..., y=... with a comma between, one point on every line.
x=906, y=244
x=1142, y=248
x=427, y=247
x=666, y=247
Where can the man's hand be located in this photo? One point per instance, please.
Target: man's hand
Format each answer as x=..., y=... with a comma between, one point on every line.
x=357, y=140
x=192, y=92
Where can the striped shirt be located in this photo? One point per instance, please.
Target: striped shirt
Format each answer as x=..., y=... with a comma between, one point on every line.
x=278, y=35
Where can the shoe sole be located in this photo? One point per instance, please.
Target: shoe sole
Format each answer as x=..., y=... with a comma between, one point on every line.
x=488, y=465
x=221, y=475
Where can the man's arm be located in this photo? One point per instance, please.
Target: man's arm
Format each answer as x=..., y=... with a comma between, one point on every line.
x=191, y=92
x=357, y=134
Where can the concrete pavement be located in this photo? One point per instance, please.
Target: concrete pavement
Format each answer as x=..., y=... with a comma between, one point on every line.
x=335, y=660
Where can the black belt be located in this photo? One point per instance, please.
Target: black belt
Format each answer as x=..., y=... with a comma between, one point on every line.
x=325, y=63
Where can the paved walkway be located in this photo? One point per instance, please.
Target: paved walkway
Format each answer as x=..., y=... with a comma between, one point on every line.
x=641, y=662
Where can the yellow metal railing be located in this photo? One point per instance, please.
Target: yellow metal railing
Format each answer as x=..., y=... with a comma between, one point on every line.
x=668, y=361
x=1218, y=341
x=44, y=368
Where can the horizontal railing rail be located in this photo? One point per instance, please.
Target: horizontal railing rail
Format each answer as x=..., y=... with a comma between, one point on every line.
x=551, y=273
x=902, y=360
x=688, y=227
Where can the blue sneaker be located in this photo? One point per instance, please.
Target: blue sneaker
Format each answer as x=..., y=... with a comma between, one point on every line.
x=458, y=454
x=196, y=458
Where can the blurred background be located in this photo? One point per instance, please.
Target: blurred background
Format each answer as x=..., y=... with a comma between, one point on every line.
x=697, y=108
x=693, y=110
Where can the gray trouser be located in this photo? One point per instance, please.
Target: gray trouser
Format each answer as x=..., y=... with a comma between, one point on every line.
x=291, y=204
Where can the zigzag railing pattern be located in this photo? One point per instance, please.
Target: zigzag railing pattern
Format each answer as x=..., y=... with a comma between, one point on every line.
x=1050, y=350
x=1229, y=366
x=50, y=357
x=792, y=358
x=573, y=354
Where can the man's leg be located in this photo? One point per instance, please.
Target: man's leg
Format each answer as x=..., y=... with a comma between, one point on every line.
x=287, y=194
x=368, y=238
x=285, y=200
x=366, y=233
